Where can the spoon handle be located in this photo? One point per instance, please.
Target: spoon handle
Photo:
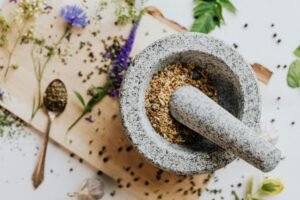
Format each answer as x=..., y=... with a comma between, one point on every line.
x=38, y=173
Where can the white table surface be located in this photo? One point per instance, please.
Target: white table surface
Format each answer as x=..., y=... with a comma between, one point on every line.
x=18, y=154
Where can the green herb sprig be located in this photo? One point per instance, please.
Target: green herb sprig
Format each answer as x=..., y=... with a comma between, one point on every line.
x=208, y=14
x=98, y=94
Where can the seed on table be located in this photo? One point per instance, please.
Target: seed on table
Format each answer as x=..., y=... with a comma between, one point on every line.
x=99, y=173
x=292, y=123
x=235, y=45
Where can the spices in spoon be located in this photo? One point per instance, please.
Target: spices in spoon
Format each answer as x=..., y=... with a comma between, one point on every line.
x=56, y=97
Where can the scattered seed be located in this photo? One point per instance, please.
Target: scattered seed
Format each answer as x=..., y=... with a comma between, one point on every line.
x=292, y=123
x=106, y=159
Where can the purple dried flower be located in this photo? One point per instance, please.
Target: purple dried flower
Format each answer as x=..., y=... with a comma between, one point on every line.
x=89, y=119
x=1, y=94
x=107, y=55
x=121, y=62
x=74, y=15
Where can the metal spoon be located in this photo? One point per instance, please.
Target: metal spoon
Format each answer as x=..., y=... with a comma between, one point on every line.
x=55, y=101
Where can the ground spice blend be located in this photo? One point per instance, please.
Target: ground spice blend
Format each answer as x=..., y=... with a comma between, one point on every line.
x=162, y=86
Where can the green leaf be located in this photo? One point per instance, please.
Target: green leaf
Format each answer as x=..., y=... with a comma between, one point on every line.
x=80, y=98
x=271, y=187
x=207, y=16
x=204, y=24
x=297, y=51
x=101, y=93
x=293, y=77
x=228, y=5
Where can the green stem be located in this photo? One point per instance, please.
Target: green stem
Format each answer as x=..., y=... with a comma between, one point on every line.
x=67, y=31
x=77, y=120
x=39, y=70
x=92, y=102
x=11, y=52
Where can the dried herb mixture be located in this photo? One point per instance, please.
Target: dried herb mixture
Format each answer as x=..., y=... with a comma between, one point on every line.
x=162, y=86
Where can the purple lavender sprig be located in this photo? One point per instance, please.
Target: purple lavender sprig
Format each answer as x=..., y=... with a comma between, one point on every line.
x=114, y=78
x=121, y=63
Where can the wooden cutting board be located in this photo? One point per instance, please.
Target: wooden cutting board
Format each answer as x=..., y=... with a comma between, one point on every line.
x=102, y=143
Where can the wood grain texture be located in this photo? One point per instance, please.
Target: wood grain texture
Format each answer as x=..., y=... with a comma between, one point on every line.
x=102, y=144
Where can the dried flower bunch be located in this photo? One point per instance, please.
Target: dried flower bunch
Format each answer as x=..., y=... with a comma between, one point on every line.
x=5, y=27
x=26, y=12
x=125, y=11
x=29, y=9
x=162, y=86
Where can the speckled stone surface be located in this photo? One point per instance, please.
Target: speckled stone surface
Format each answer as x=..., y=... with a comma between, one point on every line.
x=233, y=78
x=193, y=108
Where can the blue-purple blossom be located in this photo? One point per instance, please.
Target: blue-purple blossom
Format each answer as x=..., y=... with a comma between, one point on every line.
x=89, y=119
x=1, y=94
x=107, y=55
x=121, y=62
x=74, y=15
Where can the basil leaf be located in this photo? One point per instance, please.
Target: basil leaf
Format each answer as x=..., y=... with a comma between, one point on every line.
x=228, y=5
x=297, y=51
x=293, y=77
x=207, y=16
x=80, y=98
